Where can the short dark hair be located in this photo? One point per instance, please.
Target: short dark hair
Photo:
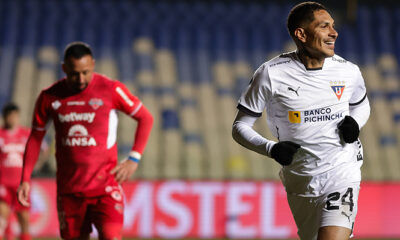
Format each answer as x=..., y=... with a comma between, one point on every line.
x=302, y=13
x=9, y=108
x=77, y=50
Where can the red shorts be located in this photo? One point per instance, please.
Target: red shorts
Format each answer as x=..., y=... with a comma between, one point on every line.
x=76, y=215
x=8, y=195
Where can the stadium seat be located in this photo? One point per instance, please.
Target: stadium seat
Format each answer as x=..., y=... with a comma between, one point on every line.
x=224, y=76
x=365, y=36
x=26, y=66
x=143, y=49
x=382, y=18
x=106, y=63
x=8, y=49
x=193, y=144
x=171, y=140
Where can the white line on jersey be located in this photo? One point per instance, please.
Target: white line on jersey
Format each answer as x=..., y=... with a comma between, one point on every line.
x=124, y=96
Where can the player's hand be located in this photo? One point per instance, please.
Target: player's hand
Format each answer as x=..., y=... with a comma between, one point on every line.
x=124, y=170
x=348, y=129
x=23, y=194
x=284, y=151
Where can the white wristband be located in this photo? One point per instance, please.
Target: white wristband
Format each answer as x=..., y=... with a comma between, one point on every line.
x=135, y=154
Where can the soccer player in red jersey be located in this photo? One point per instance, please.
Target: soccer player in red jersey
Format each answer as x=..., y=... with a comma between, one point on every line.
x=13, y=138
x=83, y=108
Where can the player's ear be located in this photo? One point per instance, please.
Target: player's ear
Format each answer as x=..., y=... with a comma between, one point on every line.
x=64, y=67
x=300, y=34
x=92, y=64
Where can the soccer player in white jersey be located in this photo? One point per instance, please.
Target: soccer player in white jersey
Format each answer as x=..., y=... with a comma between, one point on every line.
x=316, y=105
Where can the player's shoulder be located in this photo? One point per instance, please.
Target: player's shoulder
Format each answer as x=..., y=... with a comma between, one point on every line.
x=56, y=88
x=339, y=62
x=98, y=77
x=263, y=72
x=2, y=136
x=24, y=130
x=281, y=60
x=105, y=81
x=281, y=63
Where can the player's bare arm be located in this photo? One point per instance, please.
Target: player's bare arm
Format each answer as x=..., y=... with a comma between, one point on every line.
x=30, y=157
x=23, y=193
x=124, y=170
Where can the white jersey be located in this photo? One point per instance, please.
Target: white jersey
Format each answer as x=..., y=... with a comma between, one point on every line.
x=305, y=106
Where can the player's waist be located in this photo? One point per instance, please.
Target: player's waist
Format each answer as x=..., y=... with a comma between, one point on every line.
x=85, y=189
x=316, y=158
x=320, y=146
x=80, y=193
x=9, y=184
x=85, y=155
x=12, y=174
x=320, y=181
x=13, y=168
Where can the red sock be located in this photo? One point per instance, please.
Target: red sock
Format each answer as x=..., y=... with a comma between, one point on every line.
x=25, y=236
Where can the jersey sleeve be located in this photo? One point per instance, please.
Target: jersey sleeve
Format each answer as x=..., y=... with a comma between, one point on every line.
x=41, y=113
x=124, y=100
x=360, y=92
x=255, y=97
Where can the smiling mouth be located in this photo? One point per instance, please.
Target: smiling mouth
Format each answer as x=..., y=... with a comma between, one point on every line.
x=330, y=44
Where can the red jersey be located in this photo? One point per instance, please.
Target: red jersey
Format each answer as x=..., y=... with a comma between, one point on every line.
x=12, y=146
x=85, y=125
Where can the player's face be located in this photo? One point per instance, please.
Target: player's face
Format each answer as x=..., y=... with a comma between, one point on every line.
x=12, y=119
x=320, y=35
x=79, y=72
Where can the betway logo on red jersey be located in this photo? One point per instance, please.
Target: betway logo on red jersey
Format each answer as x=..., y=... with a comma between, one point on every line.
x=14, y=159
x=74, y=117
x=14, y=147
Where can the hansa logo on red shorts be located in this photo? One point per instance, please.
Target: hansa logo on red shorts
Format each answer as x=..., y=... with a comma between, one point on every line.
x=95, y=103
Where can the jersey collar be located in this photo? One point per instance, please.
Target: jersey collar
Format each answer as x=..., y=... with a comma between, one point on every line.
x=310, y=70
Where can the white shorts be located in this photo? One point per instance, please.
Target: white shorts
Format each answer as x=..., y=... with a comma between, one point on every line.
x=336, y=208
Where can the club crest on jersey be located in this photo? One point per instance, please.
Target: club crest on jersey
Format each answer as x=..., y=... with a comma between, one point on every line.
x=338, y=88
x=95, y=103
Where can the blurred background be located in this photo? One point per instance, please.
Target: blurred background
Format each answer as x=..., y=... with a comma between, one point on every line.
x=188, y=61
